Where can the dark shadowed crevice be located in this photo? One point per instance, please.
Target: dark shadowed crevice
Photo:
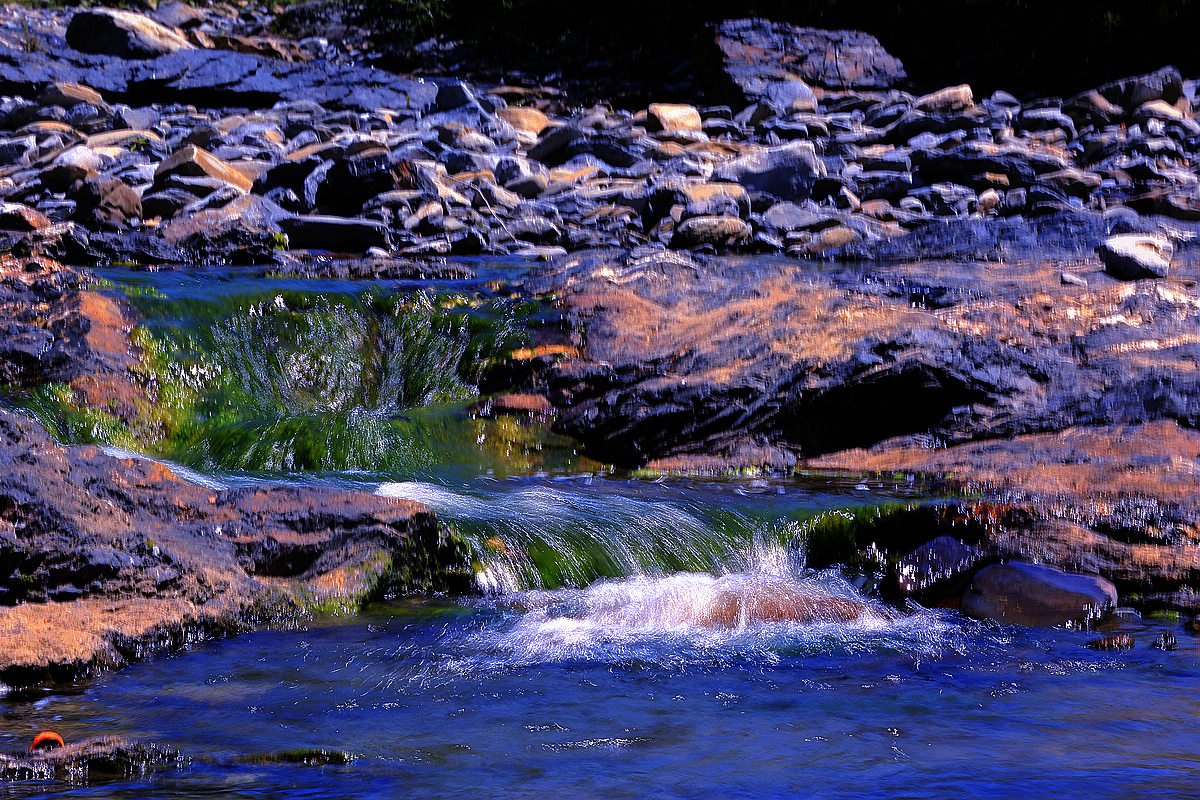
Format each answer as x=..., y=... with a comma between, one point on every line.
x=863, y=412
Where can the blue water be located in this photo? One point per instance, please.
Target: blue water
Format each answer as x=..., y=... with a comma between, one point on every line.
x=431, y=702
x=611, y=687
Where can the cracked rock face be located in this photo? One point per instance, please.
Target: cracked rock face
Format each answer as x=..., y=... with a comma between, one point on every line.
x=108, y=559
x=684, y=355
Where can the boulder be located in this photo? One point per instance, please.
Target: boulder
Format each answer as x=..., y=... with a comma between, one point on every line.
x=351, y=182
x=757, y=55
x=194, y=162
x=177, y=14
x=1131, y=256
x=127, y=34
x=791, y=217
x=246, y=228
x=1164, y=84
x=787, y=172
x=17, y=217
x=69, y=95
x=939, y=561
x=1183, y=204
x=827, y=239
x=952, y=98
x=1028, y=594
x=711, y=230
x=337, y=234
x=526, y=120
x=672, y=117
x=107, y=202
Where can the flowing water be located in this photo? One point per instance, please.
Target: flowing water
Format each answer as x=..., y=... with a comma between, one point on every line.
x=630, y=638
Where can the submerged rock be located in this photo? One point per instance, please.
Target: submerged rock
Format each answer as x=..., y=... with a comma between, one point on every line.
x=1028, y=594
x=90, y=761
x=1121, y=641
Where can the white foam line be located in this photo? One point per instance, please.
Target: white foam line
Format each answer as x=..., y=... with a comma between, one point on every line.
x=186, y=473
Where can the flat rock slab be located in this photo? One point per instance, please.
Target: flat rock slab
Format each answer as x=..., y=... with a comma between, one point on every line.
x=1120, y=500
x=214, y=78
x=107, y=560
x=687, y=355
x=90, y=761
x=757, y=53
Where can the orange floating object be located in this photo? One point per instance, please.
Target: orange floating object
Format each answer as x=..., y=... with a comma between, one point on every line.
x=46, y=736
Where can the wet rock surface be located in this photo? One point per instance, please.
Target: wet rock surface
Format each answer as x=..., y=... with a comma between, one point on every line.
x=943, y=282
x=684, y=355
x=1027, y=594
x=1072, y=401
x=110, y=559
x=1119, y=501
x=89, y=761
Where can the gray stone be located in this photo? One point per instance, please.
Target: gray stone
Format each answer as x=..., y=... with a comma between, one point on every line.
x=1131, y=256
x=758, y=53
x=788, y=172
x=1027, y=594
x=711, y=230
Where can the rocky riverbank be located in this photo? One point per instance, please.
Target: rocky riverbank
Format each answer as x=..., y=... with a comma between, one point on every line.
x=170, y=141
x=1000, y=292
x=110, y=558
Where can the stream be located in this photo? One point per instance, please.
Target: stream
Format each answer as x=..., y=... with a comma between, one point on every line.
x=631, y=636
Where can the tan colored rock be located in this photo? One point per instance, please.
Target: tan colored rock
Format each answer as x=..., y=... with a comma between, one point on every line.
x=69, y=95
x=526, y=120
x=196, y=162
x=717, y=231
x=1158, y=109
x=952, y=98
x=17, y=217
x=671, y=117
x=115, y=32
x=830, y=238
x=573, y=176
x=126, y=139
x=988, y=201
x=699, y=195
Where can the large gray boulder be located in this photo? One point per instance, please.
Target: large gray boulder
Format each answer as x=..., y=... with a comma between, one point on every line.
x=788, y=172
x=1028, y=594
x=1132, y=256
x=763, y=60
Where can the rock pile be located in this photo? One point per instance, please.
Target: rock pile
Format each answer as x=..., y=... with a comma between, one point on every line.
x=210, y=154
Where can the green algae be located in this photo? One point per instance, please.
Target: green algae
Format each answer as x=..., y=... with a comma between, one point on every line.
x=303, y=381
